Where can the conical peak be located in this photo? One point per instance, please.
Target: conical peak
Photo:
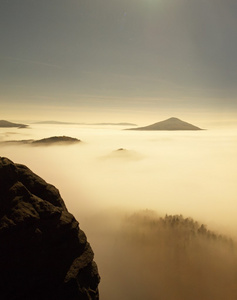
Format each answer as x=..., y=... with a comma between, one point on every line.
x=169, y=124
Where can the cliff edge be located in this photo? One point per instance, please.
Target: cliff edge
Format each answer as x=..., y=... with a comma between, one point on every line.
x=43, y=252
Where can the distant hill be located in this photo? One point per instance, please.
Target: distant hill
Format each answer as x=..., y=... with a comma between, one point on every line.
x=169, y=124
x=123, y=154
x=7, y=124
x=68, y=123
x=55, y=123
x=54, y=140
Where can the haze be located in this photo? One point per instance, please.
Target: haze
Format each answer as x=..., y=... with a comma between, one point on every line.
x=136, y=61
x=113, y=173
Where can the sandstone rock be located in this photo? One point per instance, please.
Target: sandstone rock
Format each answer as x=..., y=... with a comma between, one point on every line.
x=43, y=252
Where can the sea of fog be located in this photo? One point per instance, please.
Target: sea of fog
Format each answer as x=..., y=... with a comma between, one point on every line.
x=114, y=172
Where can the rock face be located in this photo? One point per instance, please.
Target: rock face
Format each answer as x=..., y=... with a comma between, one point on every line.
x=169, y=124
x=43, y=252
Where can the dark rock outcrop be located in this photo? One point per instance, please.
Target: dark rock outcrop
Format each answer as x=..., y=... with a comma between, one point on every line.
x=43, y=252
x=169, y=124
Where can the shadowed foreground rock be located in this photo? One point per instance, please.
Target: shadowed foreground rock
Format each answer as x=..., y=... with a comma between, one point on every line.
x=43, y=252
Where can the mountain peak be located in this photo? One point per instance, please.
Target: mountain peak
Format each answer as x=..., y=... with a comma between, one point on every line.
x=173, y=119
x=169, y=124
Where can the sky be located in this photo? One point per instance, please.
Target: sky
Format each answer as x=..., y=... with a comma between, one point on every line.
x=107, y=60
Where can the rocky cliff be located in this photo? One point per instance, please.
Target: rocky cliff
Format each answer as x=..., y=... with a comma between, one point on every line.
x=43, y=252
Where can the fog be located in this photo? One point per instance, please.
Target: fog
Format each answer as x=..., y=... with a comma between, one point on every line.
x=114, y=173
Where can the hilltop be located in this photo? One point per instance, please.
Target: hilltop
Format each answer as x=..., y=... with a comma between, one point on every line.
x=53, y=140
x=169, y=124
x=56, y=140
x=69, y=123
x=123, y=155
x=4, y=123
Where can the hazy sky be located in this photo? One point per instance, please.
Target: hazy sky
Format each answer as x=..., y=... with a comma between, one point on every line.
x=85, y=58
